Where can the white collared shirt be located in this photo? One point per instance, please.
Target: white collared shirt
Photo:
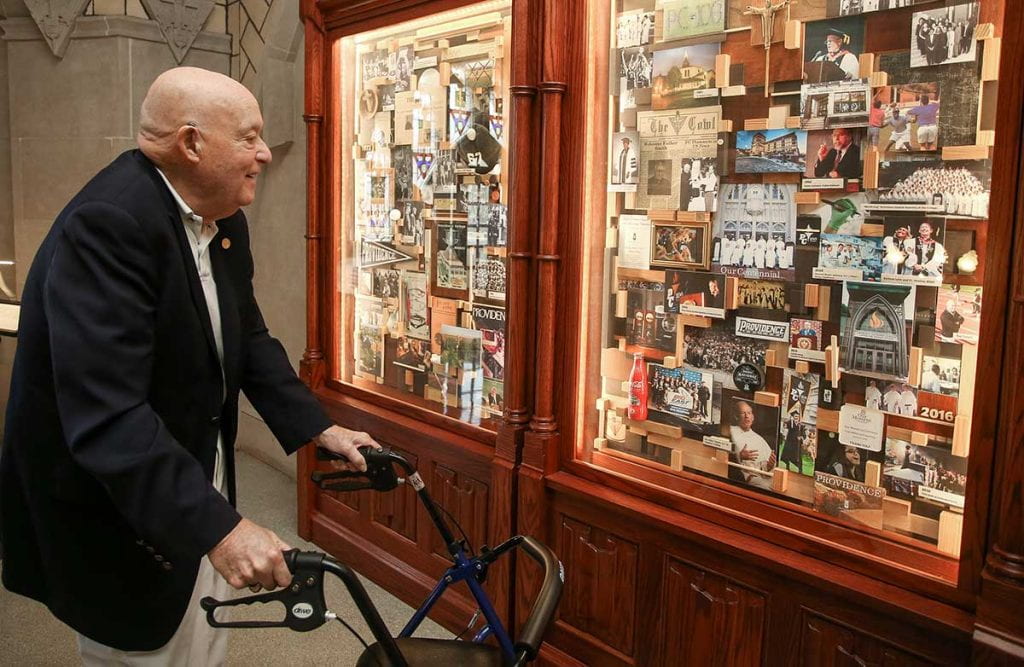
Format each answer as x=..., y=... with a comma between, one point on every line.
x=200, y=234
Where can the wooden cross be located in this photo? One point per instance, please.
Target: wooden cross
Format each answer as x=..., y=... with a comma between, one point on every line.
x=767, y=14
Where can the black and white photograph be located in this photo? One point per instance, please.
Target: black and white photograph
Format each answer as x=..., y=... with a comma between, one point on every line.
x=905, y=118
x=375, y=66
x=634, y=28
x=826, y=106
x=692, y=293
x=927, y=472
x=940, y=375
x=753, y=430
x=442, y=171
x=913, y=251
x=764, y=294
x=958, y=188
x=402, y=163
x=635, y=67
x=489, y=276
x=411, y=228
x=944, y=35
x=683, y=245
x=403, y=68
x=844, y=257
x=659, y=178
x=668, y=140
x=755, y=228
x=854, y=7
x=771, y=151
x=684, y=393
x=386, y=283
x=683, y=77
x=625, y=162
x=834, y=155
x=832, y=49
x=698, y=185
x=451, y=260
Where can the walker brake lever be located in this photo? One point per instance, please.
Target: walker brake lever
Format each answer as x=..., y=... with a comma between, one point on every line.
x=303, y=599
x=379, y=476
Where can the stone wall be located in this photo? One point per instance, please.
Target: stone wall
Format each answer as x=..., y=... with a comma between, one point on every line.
x=63, y=118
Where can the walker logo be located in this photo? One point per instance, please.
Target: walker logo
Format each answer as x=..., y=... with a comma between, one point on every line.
x=763, y=329
x=373, y=254
x=302, y=610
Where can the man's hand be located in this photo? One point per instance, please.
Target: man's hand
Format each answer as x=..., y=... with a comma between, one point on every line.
x=343, y=441
x=746, y=454
x=249, y=555
x=822, y=152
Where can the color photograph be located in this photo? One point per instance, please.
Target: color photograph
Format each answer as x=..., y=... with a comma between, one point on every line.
x=680, y=245
x=683, y=77
x=771, y=151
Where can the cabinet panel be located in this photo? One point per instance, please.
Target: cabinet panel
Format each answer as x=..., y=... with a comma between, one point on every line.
x=709, y=619
x=397, y=510
x=600, y=586
x=826, y=643
x=466, y=499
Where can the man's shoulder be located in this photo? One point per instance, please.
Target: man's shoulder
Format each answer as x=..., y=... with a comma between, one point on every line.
x=129, y=183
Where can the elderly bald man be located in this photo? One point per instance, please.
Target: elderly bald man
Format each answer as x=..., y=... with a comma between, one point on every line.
x=138, y=329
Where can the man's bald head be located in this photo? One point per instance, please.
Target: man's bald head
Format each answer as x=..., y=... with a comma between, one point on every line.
x=203, y=130
x=186, y=96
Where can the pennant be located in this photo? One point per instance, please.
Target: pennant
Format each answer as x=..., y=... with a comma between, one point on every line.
x=372, y=254
x=460, y=120
x=424, y=163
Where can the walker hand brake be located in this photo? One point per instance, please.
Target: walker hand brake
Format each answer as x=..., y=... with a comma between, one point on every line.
x=303, y=599
x=379, y=476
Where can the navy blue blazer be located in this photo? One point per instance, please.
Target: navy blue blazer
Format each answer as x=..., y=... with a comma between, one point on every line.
x=106, y=505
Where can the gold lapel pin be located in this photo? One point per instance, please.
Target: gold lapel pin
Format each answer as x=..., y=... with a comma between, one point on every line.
x=225, y=243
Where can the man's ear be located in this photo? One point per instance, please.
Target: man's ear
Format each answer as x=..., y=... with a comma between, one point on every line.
x=189, y=143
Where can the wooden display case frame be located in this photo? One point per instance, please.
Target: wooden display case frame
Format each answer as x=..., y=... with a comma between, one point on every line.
x=660, y=568
x=627, y=529
x=469, y=468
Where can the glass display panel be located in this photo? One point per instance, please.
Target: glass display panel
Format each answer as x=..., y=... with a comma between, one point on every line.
x=789, y=277
x=423, y=228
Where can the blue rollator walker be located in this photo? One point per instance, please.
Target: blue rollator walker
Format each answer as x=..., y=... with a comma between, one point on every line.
x=305, y=608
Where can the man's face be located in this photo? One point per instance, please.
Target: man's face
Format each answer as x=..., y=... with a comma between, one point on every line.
x=659, y=172
x=840, y=139
x=833, y=44
x=853, y=456
x=234, y=155
x=625, y=144
x=925, y=230
x=746, y=416
x=712, y=287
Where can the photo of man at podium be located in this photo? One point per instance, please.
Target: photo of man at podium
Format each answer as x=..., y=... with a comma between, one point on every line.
x=835, y=62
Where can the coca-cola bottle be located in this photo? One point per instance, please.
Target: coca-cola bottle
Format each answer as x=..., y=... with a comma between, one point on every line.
x=637, y=410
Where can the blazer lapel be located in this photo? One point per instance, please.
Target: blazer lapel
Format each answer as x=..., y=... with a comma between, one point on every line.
x=194, y=286
x=229, y=318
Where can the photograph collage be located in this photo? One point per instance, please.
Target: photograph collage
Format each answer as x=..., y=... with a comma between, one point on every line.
x=430, y=219
x=796, y=300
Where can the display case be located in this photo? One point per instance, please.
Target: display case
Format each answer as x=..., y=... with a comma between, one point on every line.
x=410, y=293
x=777, y=387
x=750, y=392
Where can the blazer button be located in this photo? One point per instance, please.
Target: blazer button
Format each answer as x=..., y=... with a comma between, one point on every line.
x=158, y=558
x=150, y=549
x=215, y=420
x=167, y=566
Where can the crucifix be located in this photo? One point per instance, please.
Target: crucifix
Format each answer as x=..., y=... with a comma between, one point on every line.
x=767, y=14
